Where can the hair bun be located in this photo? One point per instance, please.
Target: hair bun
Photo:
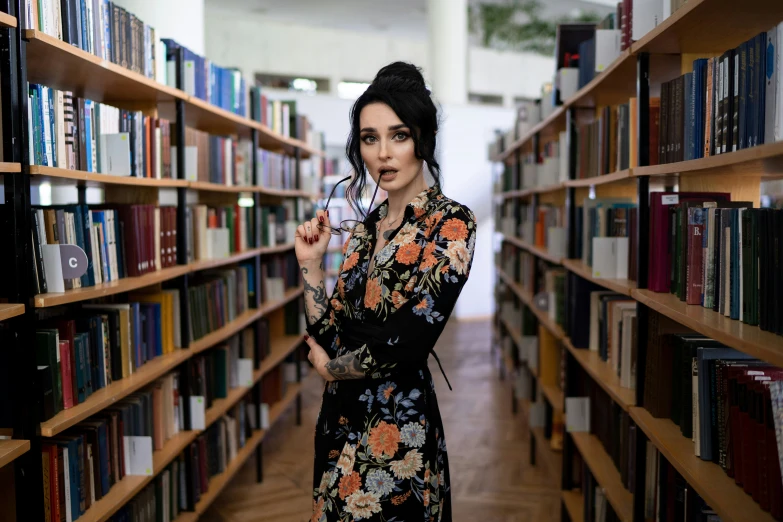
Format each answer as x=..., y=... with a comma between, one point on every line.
x=400, y=76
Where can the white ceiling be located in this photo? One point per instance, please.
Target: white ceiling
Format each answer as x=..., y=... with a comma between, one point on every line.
x=407, y=18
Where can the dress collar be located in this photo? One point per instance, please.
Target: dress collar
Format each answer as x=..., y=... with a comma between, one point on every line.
x=418, y=207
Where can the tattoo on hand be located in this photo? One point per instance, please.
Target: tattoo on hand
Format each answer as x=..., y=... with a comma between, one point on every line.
x=316, y=294
x=345, y=367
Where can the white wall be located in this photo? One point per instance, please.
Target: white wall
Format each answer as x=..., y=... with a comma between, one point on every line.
x=462, y=153
x=181, y=20
x=255, y=43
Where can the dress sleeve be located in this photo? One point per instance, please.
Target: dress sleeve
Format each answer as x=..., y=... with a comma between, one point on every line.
x=410, y=333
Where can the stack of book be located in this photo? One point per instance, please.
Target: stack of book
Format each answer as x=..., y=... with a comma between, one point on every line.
x=220, y=86
x=119, y=241
x=102, y=28
x=81, y=465
x=75, y=133
x=726, y=103
x=719, y=254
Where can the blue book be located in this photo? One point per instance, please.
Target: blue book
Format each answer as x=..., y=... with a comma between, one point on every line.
x=107, y=39
x=84, y=339
x=71, y=446
x=156, y=331
x=103, y=442
x=78, y=353
x=96, y=324
x=86, y=221
x=136, y=327
x=761, y=45
x=88, y=134
x=742, y=79
x=52, y=130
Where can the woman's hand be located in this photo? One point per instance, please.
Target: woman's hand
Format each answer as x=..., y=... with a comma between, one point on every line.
x=312, y=239
x=319, y=358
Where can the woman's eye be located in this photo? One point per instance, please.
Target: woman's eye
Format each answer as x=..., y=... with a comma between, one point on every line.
x=400, y=136
x=369, y=139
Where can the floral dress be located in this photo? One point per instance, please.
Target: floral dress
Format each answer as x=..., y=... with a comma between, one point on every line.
x=380, y=452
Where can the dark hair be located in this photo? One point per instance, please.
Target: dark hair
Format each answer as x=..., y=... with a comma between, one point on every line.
x=401, y=86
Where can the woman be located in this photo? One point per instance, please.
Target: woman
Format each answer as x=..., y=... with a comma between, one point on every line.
x=380, y=452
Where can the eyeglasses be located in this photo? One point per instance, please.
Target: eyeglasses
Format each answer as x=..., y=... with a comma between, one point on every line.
x=346, y=225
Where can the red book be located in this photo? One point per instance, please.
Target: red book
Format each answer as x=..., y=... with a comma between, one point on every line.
x=49, y=451
x=661, y=249
x=66, y=372
x=67, y=330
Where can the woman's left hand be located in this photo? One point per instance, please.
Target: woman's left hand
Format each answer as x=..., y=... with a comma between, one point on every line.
x=319, y=358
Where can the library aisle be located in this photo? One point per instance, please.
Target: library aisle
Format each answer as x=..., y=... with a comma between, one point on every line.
x=492, y=480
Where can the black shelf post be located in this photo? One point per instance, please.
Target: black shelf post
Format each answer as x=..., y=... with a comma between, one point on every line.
x=642, y=264
x=28, y=475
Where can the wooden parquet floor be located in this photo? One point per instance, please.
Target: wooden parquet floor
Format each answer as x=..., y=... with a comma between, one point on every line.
x=488, y=448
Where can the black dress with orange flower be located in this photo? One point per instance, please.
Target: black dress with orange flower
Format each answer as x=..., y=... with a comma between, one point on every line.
x=380, y=453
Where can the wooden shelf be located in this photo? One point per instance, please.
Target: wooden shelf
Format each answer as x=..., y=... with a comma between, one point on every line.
x=718, y=490
x=514, y=332
x=94, y=179
x=710, y=26
x=535, y=250
x=552, y=459
x=6, y=20
x=530, y=191
x=218, y=482
x=574, y=504
x=9, y=168
x=615, y=177
x=546, y=126
x=277, y=249
x=206, y=186
x=12, y=449
x=235, y=258
x=736, y=334
x=124, y=490
x=603, y=374
x=114, y=287
x=616, y=84
x=762, y=161
x=281, y=347
x=56, y=64
x=221, y=406
x=116, y=391
x=221, y=334
x=526, y=297
x=289, y=296
x=621, y=286
x=554, y=396
x=9, y=310
x=605, y=472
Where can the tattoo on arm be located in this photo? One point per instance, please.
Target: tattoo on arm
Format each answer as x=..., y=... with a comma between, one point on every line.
x=345, y=367
x=316, y=301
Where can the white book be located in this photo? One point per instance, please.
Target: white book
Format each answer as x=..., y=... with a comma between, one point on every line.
x=158, y=155
x=112, y=244
x=59, y=130
x=115, y=157
x=646, y=15
x=577, y=412
x=217, y=243
x=67, y=473
x=605, y=257
x=622, y=257
x=53, y=268
x=567, y=82
x=607, y=48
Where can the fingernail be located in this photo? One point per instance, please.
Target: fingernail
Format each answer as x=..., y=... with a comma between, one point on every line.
x=321, y=219
x=306, y=337
x=327, y=213
x=316, y=239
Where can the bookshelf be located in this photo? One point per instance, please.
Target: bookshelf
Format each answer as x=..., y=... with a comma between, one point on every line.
x=9, y=310
x=39, y=58
x=11, y=449
x=698, y=29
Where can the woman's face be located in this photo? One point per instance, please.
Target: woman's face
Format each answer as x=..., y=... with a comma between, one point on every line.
x=387, y=147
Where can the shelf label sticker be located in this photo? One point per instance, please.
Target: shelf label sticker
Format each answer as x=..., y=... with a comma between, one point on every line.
x=245, y=372
x=198, y=412
x=672, y=199
x=138, y=455
x=263, y=413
